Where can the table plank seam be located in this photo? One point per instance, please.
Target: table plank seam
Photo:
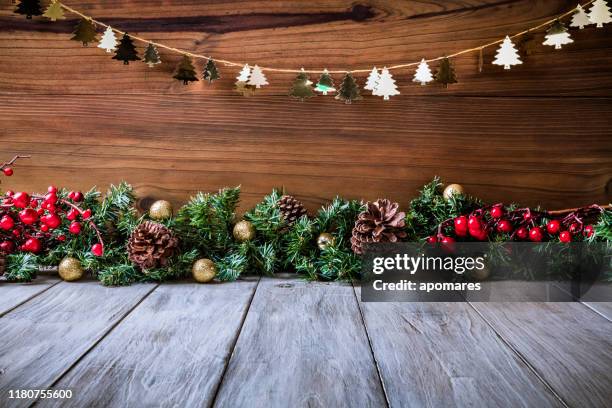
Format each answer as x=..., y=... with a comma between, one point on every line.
x=233, y=345
x=96, y=342
x=2, y=314
x=365, y=328
x=594, y=310
x=521, y=357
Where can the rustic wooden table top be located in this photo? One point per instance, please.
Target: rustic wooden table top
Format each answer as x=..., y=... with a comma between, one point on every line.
x=283, y=342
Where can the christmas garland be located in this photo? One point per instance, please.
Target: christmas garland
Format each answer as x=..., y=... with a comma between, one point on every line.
x=251, y=78
x=105, y=236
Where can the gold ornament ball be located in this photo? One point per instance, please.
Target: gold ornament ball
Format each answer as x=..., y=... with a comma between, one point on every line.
x=160, y=210
x=325, y=240
x=480, y=274
x=452, y=189
x=204, y=270
x=70, y=269
x=244, y=231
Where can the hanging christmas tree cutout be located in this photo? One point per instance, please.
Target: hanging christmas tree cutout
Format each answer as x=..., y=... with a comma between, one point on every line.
x=185, y=71
x=29, y=8
x=244, y=74
x=446, y=73
x=557, y=35
x=210, y=71
x=349, y=90
x=54, y=12
x=372, y=80
x=108, y=41
x=257, y=78
x=242, y=79
x=126, y=51
x=302, y=87
x=423, y=73
x=580, y=18
x=151, y=56
x=84, y=32
x=325, y=84
x=507, y=55
x=385, y=86
x=600, y=13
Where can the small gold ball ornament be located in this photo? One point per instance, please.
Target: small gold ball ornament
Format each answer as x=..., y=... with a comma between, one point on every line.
x=244, y=231
x=204, y=270
x=160, y=210
x=453, y=189
x=480, y=274
x=70, y=269
x=325, y=240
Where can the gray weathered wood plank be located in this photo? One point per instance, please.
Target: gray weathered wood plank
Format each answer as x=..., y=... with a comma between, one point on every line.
x=13, y=294
x=445, y=354
x=302, y=345
x=566, y=343
x=40, y=340
x=171, y=351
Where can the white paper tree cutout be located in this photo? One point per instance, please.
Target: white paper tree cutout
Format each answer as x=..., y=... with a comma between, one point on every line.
x=108, y=41
x=557, y=35
x=386, y=85
x=257, y=79
x=423, y=73
x=372, y=80
x=600, y=13
x=244, y=74
x=507, y=55
x=580, y=18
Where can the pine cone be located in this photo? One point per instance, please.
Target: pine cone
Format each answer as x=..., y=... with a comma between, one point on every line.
x=381, y=221
x=2, y=263
x=151, y=244
x=290, y=208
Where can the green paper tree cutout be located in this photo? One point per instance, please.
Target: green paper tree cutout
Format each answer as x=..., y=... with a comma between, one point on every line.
x=325, y=84
x=126, y=51
x=210, y=71
x=29, y=8
x=302, y=87
x=54, y=12
x=84, y=32
x=185, y=71
x=446, y=73
x=349, y=91
x=151, y=56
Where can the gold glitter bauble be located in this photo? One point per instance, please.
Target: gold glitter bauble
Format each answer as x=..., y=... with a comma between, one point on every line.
x=244, y=231
x=160, y=210
x=480, y=274
x=325, y=240
x=70, y=269
x=204, y=270
x=452, y=189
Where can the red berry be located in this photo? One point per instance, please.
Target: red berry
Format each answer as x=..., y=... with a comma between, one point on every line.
x=78, y=196
x=588, y=231
x=16, y=232
x=461, y=226
x=97, y=249
x=44, y=227
x=72, y=214
x=7, y=171
x=7, y=246
x=75, y=228
x=553, y=227
x=536, y=234
x=527, y=216
x=565, y=237
x=51, y=199
x=34, y=204
x=32, y=245
x=40, y=211
x=497, y=211
x=448, y=244
x=474, y=223
x=71, y=195
x=522, y=233
x=52, y=220
x=505, y=226
x=480, y=235
x=9, y=193
x=28, y=216
x=86, y=214
x=61, y=238
x=432, y=239
x=52, y=189
x=574, y=228
x=7, y=223
x=21, y=199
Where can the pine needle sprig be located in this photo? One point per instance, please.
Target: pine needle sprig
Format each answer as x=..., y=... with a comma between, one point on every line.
x=21, y=267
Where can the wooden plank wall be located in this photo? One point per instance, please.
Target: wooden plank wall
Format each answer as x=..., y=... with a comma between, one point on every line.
x=538, y=134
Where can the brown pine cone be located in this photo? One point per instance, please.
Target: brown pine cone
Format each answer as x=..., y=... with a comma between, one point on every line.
x=291, y=209
x=151, y=245
x=381, y=221
x=2, y=263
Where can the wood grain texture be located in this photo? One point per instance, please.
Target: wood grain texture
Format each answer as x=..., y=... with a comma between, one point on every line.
x=568, y=345
x=170, y=351
x=40, y=340
x=302, y=345
x=14, y=294
x=445, y=355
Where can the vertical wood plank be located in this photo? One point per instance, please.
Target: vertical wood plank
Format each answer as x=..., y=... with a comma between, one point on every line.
x=566, y=343
x=40, y=340
x=171, y=351
x=14, y=294
x=302, y=345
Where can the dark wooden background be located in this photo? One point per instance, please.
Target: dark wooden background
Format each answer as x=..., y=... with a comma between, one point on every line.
x=538, y=134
